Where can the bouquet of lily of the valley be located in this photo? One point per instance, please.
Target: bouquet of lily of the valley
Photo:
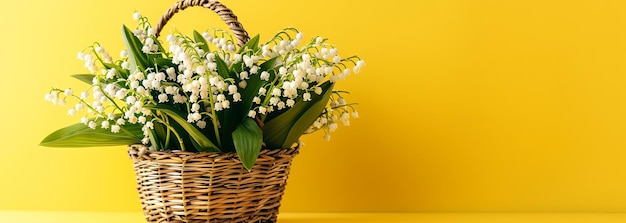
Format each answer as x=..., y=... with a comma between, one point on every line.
x=206, y=93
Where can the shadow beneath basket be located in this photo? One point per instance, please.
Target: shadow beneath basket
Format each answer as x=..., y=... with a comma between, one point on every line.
x=342, y=218
x=314, y=218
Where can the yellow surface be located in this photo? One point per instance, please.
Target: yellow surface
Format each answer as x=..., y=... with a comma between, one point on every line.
x=465, y=105
x=135, y=217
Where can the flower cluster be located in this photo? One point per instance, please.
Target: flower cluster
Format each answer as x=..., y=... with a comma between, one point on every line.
x=203, y=77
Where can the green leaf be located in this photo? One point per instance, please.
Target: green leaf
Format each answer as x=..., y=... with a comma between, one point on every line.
x=136, y=57
x=163, y=62
x=87, y=78
x=80, y=135
x=202, y=142
x=121, y=71
x=254, y=84
x=269, y=64
x=233, y=118
x=252, y=44
x=248, y=140
x=238, y=111
x=184, y=137
x=153, y=140
x=110, y=65
x=153, y=57
x=200, y=39
x=162, y=136
x=285, y=129
x=222, y=68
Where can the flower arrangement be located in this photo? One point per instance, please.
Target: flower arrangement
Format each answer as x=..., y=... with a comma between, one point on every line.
x=206, y=94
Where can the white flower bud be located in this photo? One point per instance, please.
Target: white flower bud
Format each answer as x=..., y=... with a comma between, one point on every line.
x=105, y=124
x=276, y=92
x=318, y=40
x=200, y=70
x=251, y=114
x=232, y=89
x=265, y=76
x=243, y=75
x=306, y=96
x=332, y=127
x=281, y=105
x=217, y=106
x=131, y=100
x=243, y=84
x=115, y=129
x=221, y=97
x=195, y=107
x=225, y=104
x=92, y=125
x=163, y=98
x=141, y=119
x=327, y=137
x=237, y=97
x=337, y=59
x=201, y=124
x=136, y=16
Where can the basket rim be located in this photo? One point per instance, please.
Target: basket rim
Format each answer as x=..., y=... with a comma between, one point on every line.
x=141, y=152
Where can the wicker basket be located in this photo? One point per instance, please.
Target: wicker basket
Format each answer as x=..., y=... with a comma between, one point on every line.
x=209, y=187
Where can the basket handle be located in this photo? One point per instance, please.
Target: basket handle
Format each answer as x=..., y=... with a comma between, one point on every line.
x=226, y=14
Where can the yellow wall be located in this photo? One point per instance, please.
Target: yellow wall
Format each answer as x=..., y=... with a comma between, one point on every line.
x=475, y=105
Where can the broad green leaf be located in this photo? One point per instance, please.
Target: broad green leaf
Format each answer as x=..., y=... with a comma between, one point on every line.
x=269, y=64
x=163, y=62
x=205, y=145
x=233, y=116
x=200, y=39
x=252, y=44
x=153, y=140
x=162, y=136
x=153, y=57
x=184, y=136
x=110, y=65
x=87, y=78
x=238, y=111
x=121, y=71
x=248, y=140
x=136, y=57
x=80, y=135
x=254, y=84
x=222, y=68
x=285, y=129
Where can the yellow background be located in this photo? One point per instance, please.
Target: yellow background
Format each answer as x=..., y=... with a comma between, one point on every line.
x=475, y=105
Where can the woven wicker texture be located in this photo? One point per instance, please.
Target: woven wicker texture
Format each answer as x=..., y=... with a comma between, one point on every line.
x=226, y=14
x=210, y=187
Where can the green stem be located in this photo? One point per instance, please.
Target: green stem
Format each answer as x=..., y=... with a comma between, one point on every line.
x=214, y=120
x=170, y=128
